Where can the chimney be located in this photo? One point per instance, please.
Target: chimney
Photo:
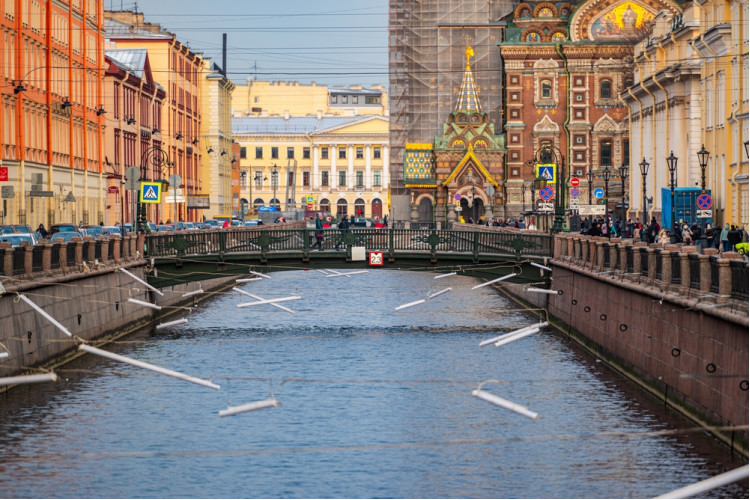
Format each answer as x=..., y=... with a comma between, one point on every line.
x=224, y=55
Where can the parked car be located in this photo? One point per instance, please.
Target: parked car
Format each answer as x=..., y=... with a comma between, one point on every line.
x=111, y=231
x=63, y=226
x=253, y=222
x=94, y=231
x=15, y=239
x=165, y=228
x=361, y=222
x=190, y=225
x=64, y=236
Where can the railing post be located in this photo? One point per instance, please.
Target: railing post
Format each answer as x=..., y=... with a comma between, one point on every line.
x=64, y=256
x=613, y=249
x=79, y=253
x=705, y=265
x=116, y=249
x=7, y=252
x=28, y=260
x=475, y=245
x=391, y=249
x=651, y=265
x=92, y=250
x=725, y=275
x=685, y=268
x=222, y=241
x=47, y=258
x=666, y=266
x=105, y=250
x=600, y=249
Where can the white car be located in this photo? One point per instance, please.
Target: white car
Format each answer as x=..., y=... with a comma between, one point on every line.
x=15, y=239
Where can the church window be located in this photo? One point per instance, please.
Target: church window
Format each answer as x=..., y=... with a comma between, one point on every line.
x=605, y=153
x=546, y=89
x=605, y=89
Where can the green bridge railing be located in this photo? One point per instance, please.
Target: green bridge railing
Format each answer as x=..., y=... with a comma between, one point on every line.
x=392, y=242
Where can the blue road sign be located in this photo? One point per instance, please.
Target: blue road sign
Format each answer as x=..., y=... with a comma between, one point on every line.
x=546, y=193
x=598, y=192
x=704, y=201
x=575, y=192
x=546, y=171
x=150, y=192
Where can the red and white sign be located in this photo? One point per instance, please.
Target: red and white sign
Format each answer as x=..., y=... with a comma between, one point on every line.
x=309, y=206
x=113, y=190
x=575, y=182
x=3, y=173
x=376, y=259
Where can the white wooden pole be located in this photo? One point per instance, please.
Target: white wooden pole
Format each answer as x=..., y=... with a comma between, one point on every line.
x=29, y=379
x=695, y=489
x=257, y=405
x=141, y=281
x=269, y=301
x=256, y=297
x=493, y=281
x=504, y=403
x=44, y=313
x=515, y=337
x=147, y=366
x=410, y=304
x=441, y=292
x=145, y=304
x=510, y=334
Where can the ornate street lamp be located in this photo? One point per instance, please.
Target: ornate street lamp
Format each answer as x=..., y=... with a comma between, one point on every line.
x=606, y=175
x=590, y=179
x=274, y=183
x=623, y=175
x=644, y=172
x=672, y=165
x=703, y=161
x=523, y=197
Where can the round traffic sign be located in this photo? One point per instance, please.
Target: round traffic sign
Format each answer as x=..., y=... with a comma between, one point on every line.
x=133, y=174
x=575, y=182
x=546, y=193
x=598, y=192
x=704, y=201
x=309, y=206
x=457, y=197
x=575, y=192
x=175, y=180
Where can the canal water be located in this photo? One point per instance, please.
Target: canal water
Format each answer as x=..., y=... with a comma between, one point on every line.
x=375, y=403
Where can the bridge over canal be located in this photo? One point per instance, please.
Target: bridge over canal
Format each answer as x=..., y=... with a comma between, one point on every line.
x=178, y=258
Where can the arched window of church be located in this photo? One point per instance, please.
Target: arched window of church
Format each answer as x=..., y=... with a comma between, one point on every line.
x=546, y=89
x=605, y=89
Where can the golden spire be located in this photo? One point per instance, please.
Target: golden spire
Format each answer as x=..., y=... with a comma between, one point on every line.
x=469, y=55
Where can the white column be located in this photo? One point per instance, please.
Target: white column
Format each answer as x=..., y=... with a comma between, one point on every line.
x=385, y=175
x=350, y=169
x=368, y=169
x=333, y=182
x=315, y=172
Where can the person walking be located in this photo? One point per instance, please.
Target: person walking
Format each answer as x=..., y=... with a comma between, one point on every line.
x=724, y=238
x=344, y=227
x=709, y=241
x=319, y=232
x=735, y=237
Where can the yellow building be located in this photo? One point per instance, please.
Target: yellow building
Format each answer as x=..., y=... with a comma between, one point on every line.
x=690, y=90
x=217, y=159
x=722, y=47
x=329, y=164
x=257, y=98
x=178, y=70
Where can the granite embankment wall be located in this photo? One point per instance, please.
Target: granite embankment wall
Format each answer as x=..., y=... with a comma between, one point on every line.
x=685, y=345
x=91, y=305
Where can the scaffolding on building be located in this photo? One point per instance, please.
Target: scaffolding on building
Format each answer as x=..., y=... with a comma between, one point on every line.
x=427, y=40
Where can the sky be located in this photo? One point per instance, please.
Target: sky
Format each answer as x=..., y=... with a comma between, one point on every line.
x=331, y=42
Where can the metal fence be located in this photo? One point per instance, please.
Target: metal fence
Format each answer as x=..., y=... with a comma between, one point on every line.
x=37, y=257
x=19, y=259
x=391, y=241
x=739, y=279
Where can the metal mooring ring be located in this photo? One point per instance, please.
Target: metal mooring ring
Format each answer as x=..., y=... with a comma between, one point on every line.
x=710, y=368
x=743, y=385
x=675, y=352
x=587, y=308
x=603, y=317
x=623, y=327
x=574, y=302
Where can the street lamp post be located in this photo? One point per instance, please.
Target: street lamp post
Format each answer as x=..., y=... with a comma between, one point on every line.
x=644, y=172
x=523, y=197
x=703, y=161
x=623, y=175
x=547, y=154
x=590, y=179
x=275, y=182
x=672, y=165
x=606, y=175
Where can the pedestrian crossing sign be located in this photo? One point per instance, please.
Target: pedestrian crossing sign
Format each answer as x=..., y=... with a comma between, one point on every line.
x=150, y=192
x=546, y=171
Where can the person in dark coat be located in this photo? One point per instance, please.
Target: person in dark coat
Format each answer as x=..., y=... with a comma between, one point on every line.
x=42, y=231
x=344, y=227
x=734, y=237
